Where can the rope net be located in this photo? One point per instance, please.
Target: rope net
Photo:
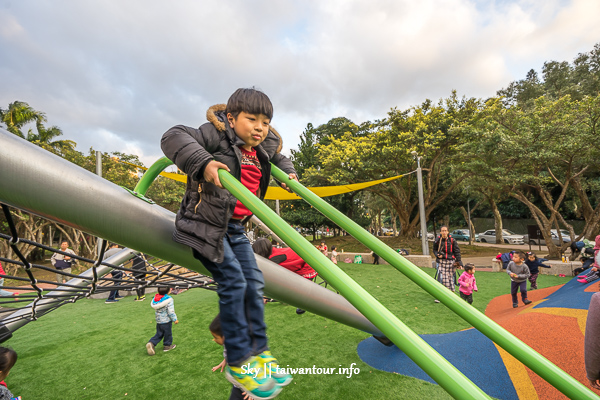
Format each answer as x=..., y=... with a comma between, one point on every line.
x=31, y=291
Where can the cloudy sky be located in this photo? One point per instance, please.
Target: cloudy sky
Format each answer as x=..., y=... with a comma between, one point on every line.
x=116, y=74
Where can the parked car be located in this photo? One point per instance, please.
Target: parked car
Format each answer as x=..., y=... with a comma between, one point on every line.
x=430, y=236
x=509, y=237
x=563, y=232
x=460, y=234
x=388, y=232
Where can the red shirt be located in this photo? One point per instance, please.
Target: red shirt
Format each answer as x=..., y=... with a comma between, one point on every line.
x=251, y=175
x=294, y=262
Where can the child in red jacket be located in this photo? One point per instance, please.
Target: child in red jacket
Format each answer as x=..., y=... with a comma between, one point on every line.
x=467, y=283
x=285, y=257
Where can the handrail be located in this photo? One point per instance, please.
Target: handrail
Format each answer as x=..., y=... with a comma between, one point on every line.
x=436, y=366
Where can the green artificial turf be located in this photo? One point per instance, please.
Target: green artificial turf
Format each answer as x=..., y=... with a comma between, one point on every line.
x=93, y=350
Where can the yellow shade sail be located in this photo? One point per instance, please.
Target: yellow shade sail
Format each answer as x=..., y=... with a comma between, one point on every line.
x=277, y=193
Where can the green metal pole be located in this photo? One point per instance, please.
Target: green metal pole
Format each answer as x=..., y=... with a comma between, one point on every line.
x=539, y=364
x=151, y=174
x=444, y=373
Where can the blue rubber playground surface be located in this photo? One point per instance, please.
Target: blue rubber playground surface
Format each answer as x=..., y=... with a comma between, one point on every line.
x=564, y=308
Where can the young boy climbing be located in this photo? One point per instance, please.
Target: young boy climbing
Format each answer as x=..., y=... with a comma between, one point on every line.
x=239, y=139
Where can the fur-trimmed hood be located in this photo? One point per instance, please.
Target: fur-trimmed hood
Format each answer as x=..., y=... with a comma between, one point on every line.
x=216, y=116
x=163, y=302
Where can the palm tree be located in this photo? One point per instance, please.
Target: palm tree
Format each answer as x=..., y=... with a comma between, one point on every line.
x=44, y=139
x=19, y=114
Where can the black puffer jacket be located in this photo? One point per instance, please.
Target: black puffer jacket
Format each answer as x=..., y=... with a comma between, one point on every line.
x=205, y=210
x=446, y=249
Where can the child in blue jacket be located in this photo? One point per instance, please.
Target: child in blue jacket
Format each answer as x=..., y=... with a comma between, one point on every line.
x=165, y=316
x=534, y=263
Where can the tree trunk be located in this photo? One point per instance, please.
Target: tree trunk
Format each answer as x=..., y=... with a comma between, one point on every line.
x=543, y=222
x=470, y=222
x=497, y=221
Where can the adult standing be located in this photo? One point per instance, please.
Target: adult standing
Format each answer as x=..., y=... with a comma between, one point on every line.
x=139, y=265
x=113, y=296
x=62, y=262
x=447, y=256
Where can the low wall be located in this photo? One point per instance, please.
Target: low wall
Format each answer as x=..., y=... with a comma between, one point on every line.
x=418, y=260
x=556, y=267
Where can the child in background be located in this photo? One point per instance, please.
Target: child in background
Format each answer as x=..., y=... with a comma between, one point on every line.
x=519, y=273
x=534, y=263
x=323, y=248
x=467, y=283
x=165, y=316
x=334, y=255
x=285, y=257
x=271, y=369
x=5, y=293
x=218, y=338
x=594, y=272
x=8, y=358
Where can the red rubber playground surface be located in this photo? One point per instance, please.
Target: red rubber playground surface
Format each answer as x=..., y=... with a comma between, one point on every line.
x=553, y=325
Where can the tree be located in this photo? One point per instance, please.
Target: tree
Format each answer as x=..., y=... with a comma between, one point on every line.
x=44, y=138
x=383, y=149
x=17, y=115
x=539, y=154
x=579, y=79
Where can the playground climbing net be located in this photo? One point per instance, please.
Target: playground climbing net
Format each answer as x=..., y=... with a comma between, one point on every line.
x=38, y=294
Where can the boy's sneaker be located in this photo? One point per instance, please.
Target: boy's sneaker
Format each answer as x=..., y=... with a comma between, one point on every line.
x=111, y=301
x=436, y=301
x=300, y=311
x=257, y=385
x=150, y=348
x=171, y=347
x=269, y=363
x=527, y=301
x=515, y=305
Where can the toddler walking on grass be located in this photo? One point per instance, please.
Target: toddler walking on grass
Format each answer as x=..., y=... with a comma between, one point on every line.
x=467, y=283
x=519, y=273
x=165, y=316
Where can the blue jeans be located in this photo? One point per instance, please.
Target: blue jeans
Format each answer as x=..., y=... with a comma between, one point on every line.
x=163, y=331
x=2, y=291
x=240, y=289
x=116, y=274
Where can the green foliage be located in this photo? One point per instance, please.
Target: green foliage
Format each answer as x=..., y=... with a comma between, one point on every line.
x=577, y=80
x=383, y=149
x=17, y=115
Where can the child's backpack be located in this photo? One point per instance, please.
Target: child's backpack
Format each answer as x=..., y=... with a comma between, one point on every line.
x=506, y=258
x=358, y=259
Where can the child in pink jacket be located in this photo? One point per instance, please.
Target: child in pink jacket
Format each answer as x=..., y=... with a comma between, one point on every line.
x=467, y=283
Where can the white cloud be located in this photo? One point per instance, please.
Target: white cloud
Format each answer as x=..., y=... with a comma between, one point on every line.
x=135, y=68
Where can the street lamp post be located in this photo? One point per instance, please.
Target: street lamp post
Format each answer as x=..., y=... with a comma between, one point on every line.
x=424, y=244
x=471, y=233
